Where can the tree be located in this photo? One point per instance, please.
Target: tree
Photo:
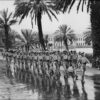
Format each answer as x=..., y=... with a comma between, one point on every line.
x=46, y=40
x=26, y=40
x=87, y=37
x=94, y=5
x=65, y=34
x=58, y=38
x=1, y=38
x=36, y=8
x=95, y=26
x=6, y=21
x=11, y=38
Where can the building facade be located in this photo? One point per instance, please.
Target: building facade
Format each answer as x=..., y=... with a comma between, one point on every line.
x=78, y=43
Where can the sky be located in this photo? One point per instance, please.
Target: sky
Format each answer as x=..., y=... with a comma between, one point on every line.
x=78, y=22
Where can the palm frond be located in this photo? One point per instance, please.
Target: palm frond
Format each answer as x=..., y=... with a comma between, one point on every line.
x=22, y=10
x=12, y=22
x=33, y=7
x=83, y=3
x=29, y=36
x=78, y=6
x=4, y=14
x=49, y=15
x=72, y=37
x=9, y=16
x=1, y=20
x=58, y=38
x=63, y=29
x=25, y=35
x=71, y=5
x=52, y=13
x=68, y=4
x=6, y=18
x=20, y=38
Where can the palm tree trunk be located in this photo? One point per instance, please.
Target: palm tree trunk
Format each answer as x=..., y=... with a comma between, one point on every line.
x=27, y=48
x=66, y=43
x=6, y=36
x=95, y=25
x=39, y=23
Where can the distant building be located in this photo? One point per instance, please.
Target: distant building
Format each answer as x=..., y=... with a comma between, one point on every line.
x=79, y=43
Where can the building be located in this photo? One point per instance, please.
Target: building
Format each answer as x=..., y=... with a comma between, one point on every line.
x=79, y=43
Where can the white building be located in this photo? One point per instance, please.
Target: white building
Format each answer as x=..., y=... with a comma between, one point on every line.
x=79, y=43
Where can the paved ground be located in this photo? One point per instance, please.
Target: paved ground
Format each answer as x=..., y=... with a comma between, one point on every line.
x=92, y=71
x=11, y=90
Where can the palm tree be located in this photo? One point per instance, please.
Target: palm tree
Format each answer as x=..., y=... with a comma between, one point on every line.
x=36, y=8
x=65, y=34
x=11, y=38
x=58, y=38
x=36, y=42
x=26, y=40
x=46, y=40
x=6, y=21
x=1, y=38
x=94, y=5
x=87, y=37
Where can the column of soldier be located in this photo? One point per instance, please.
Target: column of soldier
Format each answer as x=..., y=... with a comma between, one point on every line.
x=45, y=70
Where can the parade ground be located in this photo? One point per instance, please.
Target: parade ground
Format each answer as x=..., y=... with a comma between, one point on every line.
x=10, y=89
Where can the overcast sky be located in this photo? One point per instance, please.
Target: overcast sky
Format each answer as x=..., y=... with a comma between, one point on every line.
x=78, y=22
